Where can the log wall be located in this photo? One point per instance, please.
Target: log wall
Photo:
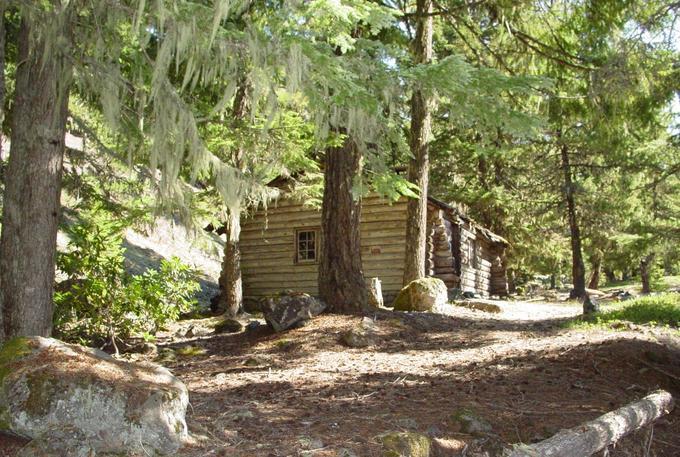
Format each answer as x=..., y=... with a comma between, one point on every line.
x=479, y=269
x=268, y=247
x=458, y=254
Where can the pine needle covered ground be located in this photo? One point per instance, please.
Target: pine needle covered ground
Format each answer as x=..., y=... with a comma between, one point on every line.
x=258, y=393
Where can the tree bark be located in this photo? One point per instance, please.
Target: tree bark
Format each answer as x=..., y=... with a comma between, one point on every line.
x=593, y=436
x=418, y=172
x=32, y=188
x=341, y=279
x=645, y=270
x=2, y=119
x=578, y=270
x=230, y=299
x=609, y=274
x=231, y=286
x=596, y=266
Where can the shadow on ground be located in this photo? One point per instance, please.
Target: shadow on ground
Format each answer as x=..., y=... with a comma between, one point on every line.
x=528, y=379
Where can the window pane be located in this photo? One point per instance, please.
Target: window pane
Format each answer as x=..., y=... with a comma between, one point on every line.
x=306, y=245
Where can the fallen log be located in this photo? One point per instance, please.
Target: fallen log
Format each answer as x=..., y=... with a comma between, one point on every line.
x=591, y=437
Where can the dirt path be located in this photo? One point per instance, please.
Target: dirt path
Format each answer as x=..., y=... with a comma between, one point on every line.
x=302, y=393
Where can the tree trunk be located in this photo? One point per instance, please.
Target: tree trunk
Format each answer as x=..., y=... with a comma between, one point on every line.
x=2, y=118
x=341, y=279
x=418, y=172
x=578, y=270
x=645, y=270
x=596, y=266
x=2, y=72
x=512, y=283
x=32, y=189
x=231, y=286
x=609, y=274
x=230, y=298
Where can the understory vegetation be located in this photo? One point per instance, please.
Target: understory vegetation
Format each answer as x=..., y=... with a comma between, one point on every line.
x=655, y=310
x=99, y=300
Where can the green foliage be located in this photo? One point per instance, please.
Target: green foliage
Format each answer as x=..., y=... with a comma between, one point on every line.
x=100, y=300
x=662, y=309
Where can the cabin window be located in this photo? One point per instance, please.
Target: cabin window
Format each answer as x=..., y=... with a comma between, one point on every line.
x=306, y=246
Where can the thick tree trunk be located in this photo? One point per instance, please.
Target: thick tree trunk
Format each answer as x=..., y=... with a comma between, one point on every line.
x=231, y=286
x=578, y=270
x=32, y=189
x=418, y=172
x=645, y=270
x=230, y=298
x=2, y=118
x=341, y=279
x=2, y=70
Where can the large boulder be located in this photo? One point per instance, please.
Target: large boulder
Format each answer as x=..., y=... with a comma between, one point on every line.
x=425, y=294
x=73, y=400
x=291, y=309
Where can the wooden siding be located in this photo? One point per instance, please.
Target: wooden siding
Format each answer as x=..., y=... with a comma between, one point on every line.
x=268, y=247
x=268, y=250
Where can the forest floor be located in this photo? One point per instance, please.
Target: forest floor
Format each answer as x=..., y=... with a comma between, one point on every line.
x=302, y=393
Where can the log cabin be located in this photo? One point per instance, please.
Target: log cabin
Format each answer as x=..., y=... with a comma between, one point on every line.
x=280, y=248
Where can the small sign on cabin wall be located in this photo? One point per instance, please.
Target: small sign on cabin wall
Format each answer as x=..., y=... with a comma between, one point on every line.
x=375, y=250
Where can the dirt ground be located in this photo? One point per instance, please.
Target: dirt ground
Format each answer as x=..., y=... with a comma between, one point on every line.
x=302, y=393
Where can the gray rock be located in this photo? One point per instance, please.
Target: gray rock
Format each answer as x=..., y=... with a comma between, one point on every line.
x=425, y=294
x=471, y=423
x=360, y=336
x=291, y=309
x=59, y=441
x=253, y=325
x=60, y=394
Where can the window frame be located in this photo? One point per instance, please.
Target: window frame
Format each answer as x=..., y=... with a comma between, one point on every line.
x=317, y=245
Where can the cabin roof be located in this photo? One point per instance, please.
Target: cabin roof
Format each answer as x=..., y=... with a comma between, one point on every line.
x=282, y=181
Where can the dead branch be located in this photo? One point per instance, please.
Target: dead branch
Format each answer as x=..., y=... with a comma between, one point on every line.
x=593, y=436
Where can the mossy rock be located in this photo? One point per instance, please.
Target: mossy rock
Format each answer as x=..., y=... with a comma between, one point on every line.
x=228, y=326
x=424, y=294
x=471, y=423
x=405, y=444
x=13, y=350
x=53, y=391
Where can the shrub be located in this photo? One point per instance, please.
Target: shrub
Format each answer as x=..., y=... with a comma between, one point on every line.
x=100, y=301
